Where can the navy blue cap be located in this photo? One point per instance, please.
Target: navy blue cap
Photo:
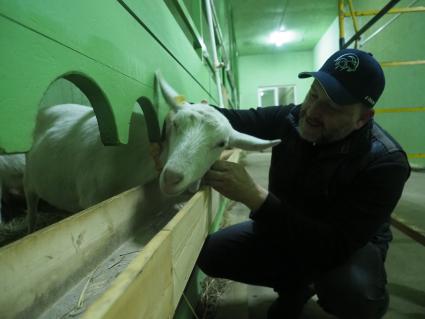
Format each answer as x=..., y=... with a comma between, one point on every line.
x=350, y=76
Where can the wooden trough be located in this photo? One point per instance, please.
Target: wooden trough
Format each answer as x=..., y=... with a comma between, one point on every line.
x=65, y=259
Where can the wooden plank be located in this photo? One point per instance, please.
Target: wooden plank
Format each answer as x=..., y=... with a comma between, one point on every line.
x=188, y=235
x=48, y=262
x=182, y=238
x=161, y=269
x=136, y=293
x=42, y=266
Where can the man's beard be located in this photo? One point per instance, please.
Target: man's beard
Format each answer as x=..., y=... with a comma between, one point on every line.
x=321, y=135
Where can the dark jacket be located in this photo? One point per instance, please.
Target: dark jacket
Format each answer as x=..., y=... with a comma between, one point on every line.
x=325, y=201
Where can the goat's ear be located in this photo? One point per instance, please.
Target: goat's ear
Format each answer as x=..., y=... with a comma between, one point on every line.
x=250, y=143
x=174, y=100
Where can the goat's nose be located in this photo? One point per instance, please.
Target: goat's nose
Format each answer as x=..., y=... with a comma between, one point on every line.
x=172, y=177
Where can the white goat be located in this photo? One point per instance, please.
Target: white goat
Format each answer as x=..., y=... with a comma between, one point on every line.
x=12, y=168
x=69, y=167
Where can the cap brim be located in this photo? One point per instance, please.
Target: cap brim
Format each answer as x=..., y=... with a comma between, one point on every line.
x=336, y=92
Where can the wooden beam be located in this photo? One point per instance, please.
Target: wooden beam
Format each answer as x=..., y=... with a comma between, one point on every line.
x=152, y=285
x=46, y=262
x=42, y=266
x=37, y=269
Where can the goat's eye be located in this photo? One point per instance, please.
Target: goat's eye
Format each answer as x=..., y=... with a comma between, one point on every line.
x=221, y=144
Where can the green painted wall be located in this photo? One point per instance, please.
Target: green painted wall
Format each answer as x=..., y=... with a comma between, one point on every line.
x=113, y=52
x=270, y=70
x=401, y=40
x=328, y=44
x=117, y=51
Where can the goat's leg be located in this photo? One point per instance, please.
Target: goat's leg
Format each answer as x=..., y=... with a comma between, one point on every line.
x=32, y=209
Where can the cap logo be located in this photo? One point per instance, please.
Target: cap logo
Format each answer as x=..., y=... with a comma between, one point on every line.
x=370, y=100
x=347, y=62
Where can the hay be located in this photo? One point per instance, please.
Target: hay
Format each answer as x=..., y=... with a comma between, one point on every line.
x=18, y=226
x=213, y=289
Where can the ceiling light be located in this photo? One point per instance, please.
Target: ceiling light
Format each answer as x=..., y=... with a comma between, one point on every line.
x=280, y=37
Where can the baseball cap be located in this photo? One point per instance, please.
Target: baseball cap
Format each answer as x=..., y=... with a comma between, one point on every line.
x=350, y=76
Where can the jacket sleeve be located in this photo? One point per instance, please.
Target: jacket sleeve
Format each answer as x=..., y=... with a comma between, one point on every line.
x=356, y=215
x=263, y=122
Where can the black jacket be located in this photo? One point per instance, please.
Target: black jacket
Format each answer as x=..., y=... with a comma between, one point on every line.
x=325, y=201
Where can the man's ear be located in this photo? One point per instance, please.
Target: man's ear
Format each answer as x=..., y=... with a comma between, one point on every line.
x=365, y=116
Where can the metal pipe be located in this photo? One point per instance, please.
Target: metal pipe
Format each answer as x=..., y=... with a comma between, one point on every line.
x=353, y=17
x=384, y=26
x=214, y=49
x=341, y=23
x=401, y=63
x=392, y=11
x=400, y=109
x=220, y=37
x=380, y=14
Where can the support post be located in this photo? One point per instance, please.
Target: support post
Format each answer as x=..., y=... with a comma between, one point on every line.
x=353, y=17
x=217, y=65
x=341, y=23
x=380, y=14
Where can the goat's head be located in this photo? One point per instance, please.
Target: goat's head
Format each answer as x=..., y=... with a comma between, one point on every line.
x=196, y=135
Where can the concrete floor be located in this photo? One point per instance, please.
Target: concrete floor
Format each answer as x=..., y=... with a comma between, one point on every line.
x=405, y=263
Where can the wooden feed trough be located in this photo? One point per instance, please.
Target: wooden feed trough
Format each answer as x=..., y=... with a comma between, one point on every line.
x=64, y=270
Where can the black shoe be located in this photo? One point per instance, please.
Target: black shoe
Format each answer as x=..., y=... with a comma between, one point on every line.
x=284, y=309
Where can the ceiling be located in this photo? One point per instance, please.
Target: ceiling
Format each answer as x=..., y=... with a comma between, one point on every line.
x=255, y=19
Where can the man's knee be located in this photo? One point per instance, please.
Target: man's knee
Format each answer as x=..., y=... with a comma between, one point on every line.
x=349, y=307
x=356, y=289
x=353, y=299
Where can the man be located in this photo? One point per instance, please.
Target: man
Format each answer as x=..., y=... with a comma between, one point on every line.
x=323, y=224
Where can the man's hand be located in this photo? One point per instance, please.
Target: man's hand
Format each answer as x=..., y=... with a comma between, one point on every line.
x=233, y=181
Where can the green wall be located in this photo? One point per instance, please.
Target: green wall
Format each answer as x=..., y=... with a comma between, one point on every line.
x=328, y=44
x=72, y=52
x=401, y=40
x=270, y=70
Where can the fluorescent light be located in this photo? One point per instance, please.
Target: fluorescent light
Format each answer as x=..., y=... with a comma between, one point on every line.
x=280, y=37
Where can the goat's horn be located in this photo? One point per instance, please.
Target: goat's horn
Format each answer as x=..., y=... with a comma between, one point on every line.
x=250, y=143
x=171, y=96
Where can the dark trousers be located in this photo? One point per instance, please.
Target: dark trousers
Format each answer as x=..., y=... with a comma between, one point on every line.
x=356, y=289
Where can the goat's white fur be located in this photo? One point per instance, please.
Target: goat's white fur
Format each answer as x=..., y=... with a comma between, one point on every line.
x=69, y=167
x=12, y=168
